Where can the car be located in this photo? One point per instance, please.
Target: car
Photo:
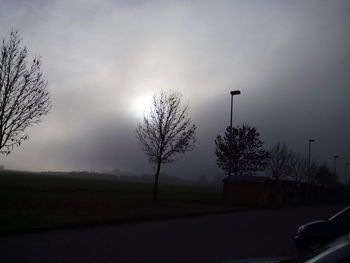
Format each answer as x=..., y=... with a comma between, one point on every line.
x=264, y=260
x=311, y=235
x=335, y=251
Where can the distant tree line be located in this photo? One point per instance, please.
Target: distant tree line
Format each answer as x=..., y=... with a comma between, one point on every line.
x=285, y=164
x=240, y=152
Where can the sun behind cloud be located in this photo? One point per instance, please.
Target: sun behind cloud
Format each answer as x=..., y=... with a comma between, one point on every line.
x=141, y=105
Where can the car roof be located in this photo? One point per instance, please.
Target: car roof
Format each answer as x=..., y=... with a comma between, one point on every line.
x=344, y=212
x=330, y=252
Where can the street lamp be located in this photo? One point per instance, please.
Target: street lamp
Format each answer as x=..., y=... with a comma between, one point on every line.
x=310, y=141
x=335, y=164
x=233, y=93
x=346, y=166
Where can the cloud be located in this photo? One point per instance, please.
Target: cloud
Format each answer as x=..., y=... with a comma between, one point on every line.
x=290, y=60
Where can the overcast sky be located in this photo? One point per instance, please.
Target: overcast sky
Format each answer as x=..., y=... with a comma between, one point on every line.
x=105, y=59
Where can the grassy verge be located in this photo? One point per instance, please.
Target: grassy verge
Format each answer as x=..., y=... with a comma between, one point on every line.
x=37, y=201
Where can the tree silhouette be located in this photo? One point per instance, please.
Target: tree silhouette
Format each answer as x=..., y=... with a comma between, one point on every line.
x=324, y=176
x=23, y=93
x=278, y=164
x=298, y=167
x=241, y=149
x=314, y=168
x=166, y=132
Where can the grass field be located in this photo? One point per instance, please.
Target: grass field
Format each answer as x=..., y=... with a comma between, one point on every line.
x=37, y=201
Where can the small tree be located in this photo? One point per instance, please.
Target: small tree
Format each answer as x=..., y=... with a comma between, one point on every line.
x=312, y=173
x=23, y=94
x=240, y=149
x=278, y=164
x=166, y=132
x=325, y=177
x=298, y=167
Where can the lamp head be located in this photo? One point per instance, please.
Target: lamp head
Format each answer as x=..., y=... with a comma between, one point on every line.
x=235, y=92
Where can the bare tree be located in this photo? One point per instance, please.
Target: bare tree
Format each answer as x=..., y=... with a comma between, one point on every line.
x=298, y=167
x=278, y=163
x=166, y=132
x=23, y=94
x=313, y=170
x=240, y=148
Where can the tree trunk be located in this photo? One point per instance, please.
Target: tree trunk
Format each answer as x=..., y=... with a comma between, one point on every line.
x=156, y=181
x=236, y=167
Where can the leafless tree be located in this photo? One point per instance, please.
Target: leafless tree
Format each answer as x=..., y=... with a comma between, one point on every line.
x=278, y=163
x=313, y=170
x=298, y=167
x=24, y=98
x=166, y=132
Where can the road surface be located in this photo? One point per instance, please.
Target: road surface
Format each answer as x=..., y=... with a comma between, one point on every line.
x=212, y=238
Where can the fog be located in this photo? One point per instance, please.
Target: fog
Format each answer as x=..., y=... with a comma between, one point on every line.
x=105, y=59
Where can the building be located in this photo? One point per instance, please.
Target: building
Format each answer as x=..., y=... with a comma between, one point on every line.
x=247, y=190
x=263, y=191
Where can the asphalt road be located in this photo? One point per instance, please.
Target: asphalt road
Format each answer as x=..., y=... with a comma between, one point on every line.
x=213, y=238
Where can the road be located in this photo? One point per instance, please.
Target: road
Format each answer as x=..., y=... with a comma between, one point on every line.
x=212, y=238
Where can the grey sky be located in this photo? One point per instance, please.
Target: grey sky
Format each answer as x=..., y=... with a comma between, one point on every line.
x=290, y=59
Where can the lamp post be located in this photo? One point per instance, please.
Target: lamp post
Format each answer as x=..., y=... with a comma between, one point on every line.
x=335, y=164
x=346, y=166
x=310, y=141
x=233, y=93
